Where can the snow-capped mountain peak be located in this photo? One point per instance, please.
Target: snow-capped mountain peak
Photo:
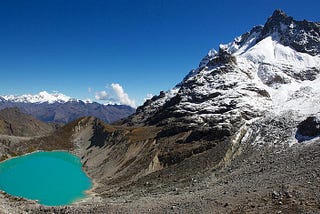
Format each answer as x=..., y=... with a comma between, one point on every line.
x=302, y=36
x=278, y=22
x=42, y=97
x=273, y=68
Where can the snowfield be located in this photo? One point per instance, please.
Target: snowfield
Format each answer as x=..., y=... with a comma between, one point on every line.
x=42, y=97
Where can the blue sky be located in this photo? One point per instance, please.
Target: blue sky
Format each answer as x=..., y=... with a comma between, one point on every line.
x=82, y=47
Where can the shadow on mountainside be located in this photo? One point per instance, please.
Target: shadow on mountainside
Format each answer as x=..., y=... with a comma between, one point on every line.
x=99, y=136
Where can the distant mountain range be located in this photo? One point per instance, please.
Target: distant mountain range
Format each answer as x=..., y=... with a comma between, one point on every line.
x=60, y=108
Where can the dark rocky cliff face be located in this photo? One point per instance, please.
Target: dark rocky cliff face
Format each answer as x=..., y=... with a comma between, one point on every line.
x=308, y=129
x=303, y=36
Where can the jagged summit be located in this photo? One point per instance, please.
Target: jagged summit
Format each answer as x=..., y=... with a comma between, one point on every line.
x=278, y=17
x=301, y=36
x=276, y=25
x=278, y=13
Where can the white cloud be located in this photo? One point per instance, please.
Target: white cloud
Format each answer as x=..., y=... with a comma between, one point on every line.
x=88, y=100
x=101, y=95
x=114, y=94
x=122, y=97
x=148, y=97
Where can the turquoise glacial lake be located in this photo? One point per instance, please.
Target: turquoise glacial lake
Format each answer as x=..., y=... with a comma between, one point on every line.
x=52, y=178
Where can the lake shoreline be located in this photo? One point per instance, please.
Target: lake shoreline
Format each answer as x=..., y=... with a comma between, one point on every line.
x=87, y=194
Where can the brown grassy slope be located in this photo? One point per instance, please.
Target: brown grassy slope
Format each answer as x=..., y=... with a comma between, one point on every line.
x=58, y=140
x=16, y=123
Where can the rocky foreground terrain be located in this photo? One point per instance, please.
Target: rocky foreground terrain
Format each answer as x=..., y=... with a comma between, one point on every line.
x=240, y=134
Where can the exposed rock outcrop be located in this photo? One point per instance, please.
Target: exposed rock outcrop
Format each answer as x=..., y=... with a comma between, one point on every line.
x=308, y=129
